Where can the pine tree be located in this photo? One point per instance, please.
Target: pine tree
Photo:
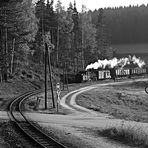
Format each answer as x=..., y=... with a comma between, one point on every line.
x=88, y=37
x=47, y=22
x=77, y=39
x=18, y=27
x=65, y=28
x=38, y=44
x=102, y=37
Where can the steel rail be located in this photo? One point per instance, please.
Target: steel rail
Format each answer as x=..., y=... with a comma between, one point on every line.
x=32, y=131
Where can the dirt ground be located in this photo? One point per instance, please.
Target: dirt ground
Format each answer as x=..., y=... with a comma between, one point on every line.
x=127, y=101
x=77, y=128
x=8, y=91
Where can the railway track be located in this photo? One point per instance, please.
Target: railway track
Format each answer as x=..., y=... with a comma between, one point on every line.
x=34, y=134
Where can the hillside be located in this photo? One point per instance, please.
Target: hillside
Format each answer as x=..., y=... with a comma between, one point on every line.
x=131, y=48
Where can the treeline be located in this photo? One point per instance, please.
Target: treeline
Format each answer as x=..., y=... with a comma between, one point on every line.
x=126, y=24
x=72, y=34
x=74, y=39
x=18, y=27
x=24, y=25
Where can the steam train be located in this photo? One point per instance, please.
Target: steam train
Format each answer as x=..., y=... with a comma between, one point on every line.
x=102, y=74
x=113, y=73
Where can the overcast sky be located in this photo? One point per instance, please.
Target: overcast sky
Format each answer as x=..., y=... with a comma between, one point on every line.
x=96, y=4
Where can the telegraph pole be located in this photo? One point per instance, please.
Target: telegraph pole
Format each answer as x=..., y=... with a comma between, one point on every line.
x=50, y=75
x=46, y=50
x=48, y=45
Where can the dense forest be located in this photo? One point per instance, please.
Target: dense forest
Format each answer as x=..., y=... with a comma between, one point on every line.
x=125, y=24
x=74, y=39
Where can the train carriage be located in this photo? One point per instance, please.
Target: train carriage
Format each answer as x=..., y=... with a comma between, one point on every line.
x=102, y=74
x=119, y=73
x=138, y=71
x=122, y=72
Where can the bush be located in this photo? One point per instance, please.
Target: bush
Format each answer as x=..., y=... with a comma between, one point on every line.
x=130, y=135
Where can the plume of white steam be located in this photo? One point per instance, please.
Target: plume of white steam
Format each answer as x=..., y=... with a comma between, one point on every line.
x=117, y=63
x=138, y=61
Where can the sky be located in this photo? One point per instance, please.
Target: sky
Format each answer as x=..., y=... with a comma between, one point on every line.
x=96, y=4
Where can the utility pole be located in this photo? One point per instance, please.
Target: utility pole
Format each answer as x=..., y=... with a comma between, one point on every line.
x=48, y=45
x=46, y=52
x=45, y=56
x=50, y=76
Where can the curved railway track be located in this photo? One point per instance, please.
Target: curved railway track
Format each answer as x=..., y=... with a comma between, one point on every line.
x=34, y=134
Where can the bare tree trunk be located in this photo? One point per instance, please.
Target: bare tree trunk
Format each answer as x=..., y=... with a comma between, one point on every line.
x=77, y=62
x=12, y=56
x=5, y=57
x=58, y=46
x=83, y=60
x=66, y=76
x=1, y=53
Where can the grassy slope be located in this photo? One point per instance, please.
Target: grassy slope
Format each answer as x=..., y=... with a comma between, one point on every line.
x=126, y=102
x=24, y=80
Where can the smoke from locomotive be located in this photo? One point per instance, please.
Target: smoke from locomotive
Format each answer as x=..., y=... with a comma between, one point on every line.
x=107, y=69
x=121, y=63
x=115, y=68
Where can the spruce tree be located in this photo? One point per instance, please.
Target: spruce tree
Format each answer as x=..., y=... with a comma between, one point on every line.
x=102, y=36
x=89, y=43
x=18, y=26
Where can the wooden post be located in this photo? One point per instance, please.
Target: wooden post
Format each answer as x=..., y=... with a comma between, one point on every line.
x=48, y=45
x=46, y=49
x=58, y=91
x=50, y=76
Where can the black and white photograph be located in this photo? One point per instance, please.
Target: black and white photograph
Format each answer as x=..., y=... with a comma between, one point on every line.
x=73, y=74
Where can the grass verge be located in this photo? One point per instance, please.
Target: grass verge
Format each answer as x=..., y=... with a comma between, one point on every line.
x=129, y=135
x=121, y=101
x=11, y=136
